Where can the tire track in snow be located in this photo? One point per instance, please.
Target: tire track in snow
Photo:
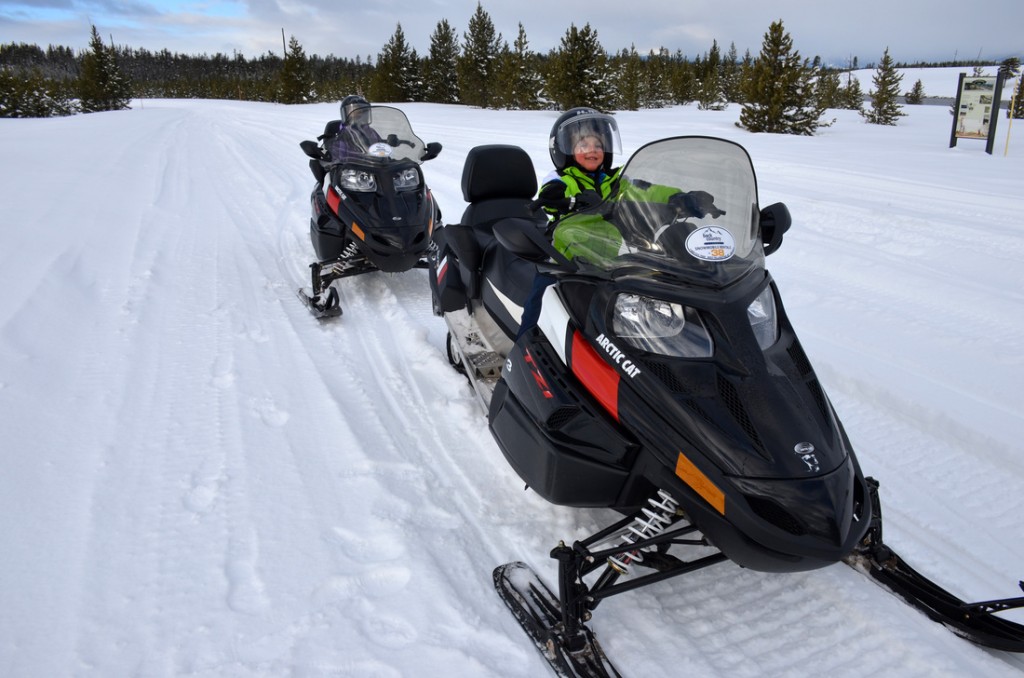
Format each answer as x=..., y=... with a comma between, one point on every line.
x=424, y=413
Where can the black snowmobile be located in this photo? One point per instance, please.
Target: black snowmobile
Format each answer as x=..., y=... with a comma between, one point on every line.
x=371, y=208
x=663, y=380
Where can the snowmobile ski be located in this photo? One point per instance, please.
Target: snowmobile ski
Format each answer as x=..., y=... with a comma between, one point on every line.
x=330, y=307
x=538, y=611
x=975, y=622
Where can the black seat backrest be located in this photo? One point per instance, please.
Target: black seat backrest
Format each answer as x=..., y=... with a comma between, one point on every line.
x=498, y=181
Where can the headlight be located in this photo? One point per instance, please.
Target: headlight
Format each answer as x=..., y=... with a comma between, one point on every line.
x=358, y=180
x=407, y=179
x=763, y=318
x=661, y=327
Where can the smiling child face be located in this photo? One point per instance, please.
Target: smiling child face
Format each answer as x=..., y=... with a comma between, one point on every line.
x=589, y=153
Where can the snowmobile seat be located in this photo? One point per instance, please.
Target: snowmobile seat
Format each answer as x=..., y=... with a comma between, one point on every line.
x=498, y=181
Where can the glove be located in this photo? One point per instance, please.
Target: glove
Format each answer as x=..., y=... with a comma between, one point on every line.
x=695, y=204
x=559, y=205
x=552, y=198
x=585, y=200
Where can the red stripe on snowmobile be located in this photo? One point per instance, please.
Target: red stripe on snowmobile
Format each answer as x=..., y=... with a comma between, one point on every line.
x=700, y=483
x=595, y=374
x=442, y=268
x=542, y=383
x=333, y=199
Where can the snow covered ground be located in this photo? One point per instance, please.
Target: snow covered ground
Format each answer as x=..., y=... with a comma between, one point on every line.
x=198, y=479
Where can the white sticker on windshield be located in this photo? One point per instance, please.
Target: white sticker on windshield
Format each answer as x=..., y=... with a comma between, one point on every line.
x=379, y=149
x=711, y=244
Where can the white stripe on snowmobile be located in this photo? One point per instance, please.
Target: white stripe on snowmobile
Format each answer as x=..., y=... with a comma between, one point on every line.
x=513, y=310
x=554, y=321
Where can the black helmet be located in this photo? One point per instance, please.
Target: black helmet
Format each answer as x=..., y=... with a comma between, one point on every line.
x=354, y=108
x=577, y=123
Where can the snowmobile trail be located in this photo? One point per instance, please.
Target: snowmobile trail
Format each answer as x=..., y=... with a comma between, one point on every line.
x=200, y=479
x=431, y=451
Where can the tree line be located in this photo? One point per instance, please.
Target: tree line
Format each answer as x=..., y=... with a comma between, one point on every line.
x=779, y=90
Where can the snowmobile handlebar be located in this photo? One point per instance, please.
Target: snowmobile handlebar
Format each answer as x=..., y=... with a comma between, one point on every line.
x=698, y=204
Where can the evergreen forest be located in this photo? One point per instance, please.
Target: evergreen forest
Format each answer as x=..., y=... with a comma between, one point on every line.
x=780, y=90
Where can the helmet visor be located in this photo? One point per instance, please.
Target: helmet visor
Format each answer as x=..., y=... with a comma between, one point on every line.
x=587, y=132
x=358, y=112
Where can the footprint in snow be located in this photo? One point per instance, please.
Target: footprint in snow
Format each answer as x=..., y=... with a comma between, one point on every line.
x=223, y=372
x=267, y=410
x=376, y=582
x=389, y=631
x=376, y=547
x=246, y=592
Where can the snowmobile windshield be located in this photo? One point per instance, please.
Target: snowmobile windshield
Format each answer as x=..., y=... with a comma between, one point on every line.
x=685, y=207
x=384, y=132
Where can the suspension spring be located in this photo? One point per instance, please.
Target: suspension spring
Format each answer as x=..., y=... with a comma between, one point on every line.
x=649, y=523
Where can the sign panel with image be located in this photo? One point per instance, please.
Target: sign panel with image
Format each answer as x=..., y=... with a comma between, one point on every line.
x=977, y=103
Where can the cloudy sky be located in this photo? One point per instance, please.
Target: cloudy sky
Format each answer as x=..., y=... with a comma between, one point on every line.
x=913, y=30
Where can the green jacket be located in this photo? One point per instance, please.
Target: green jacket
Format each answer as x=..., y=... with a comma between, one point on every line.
x=576, y=181
x=589, y=234
x=569, y=183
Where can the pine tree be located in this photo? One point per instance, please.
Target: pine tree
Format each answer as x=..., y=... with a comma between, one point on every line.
x=780, y=90
x=101, y=87
x=746, y=71
x=851, y=97
x=681, y=79
x=10, y=96
x=657, y=73
x=885, y=109
x=478, y=64
x=518, y=78
x=295, y=84
x=916, y=94
x=393, y=78
x=711, y=88
x=578, y=73
x=629, y=80
x=1009, y=68
x=32, y=96
x=440, y=77
x=732, y=73
x=1017, y=105
x=828, y=89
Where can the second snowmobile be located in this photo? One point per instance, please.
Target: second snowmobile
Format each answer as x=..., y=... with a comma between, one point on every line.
x=371, y=208
x=663, y=380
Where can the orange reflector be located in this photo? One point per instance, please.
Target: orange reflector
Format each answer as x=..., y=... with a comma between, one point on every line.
x=358, y=231
x=700, y=483
x=595, y=374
